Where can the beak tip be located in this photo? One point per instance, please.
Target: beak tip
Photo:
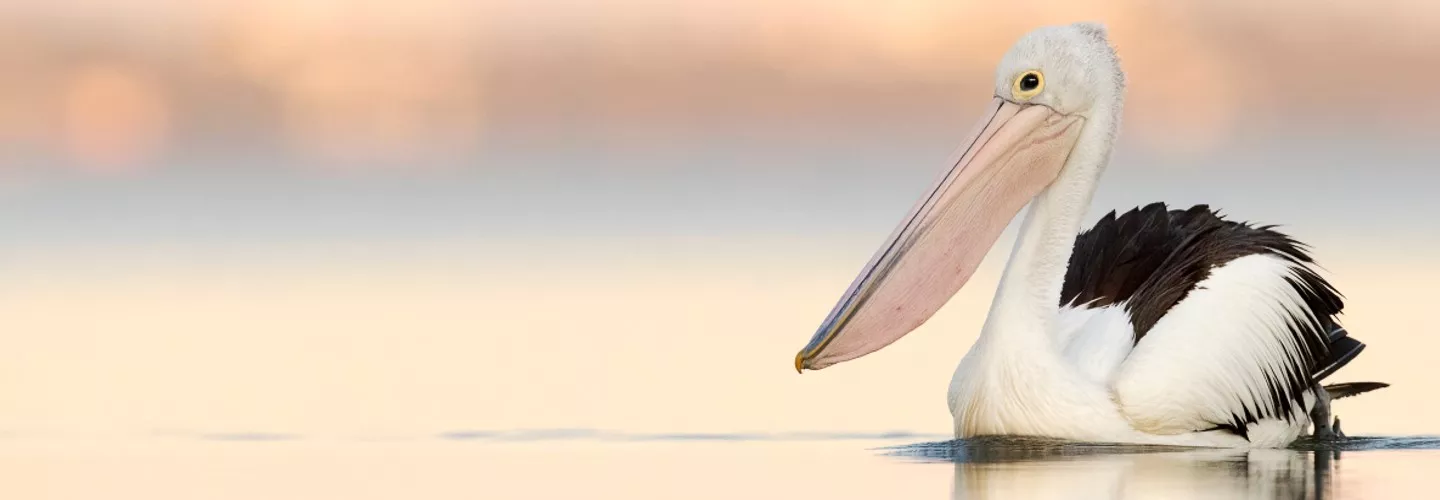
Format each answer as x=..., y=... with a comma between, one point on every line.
x=799, y=362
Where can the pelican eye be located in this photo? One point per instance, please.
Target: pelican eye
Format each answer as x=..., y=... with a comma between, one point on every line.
x=1028, y=84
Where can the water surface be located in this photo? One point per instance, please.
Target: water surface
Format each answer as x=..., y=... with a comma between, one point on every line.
x=1359, y=467
x=589, y=464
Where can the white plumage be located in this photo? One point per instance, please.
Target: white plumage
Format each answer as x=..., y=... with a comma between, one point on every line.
x=1101, y=340
x=1208, y=359
x=1203, y=363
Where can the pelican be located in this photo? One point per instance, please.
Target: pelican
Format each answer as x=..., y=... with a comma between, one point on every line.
x=1157, y=326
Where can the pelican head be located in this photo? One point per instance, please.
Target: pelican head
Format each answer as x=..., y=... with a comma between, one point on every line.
x=1074, y=66
x=1054, y=114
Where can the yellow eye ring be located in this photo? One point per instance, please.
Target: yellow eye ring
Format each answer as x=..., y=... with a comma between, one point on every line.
x=1028, y=84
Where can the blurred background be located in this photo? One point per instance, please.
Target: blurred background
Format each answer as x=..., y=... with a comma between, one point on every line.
x=365, y=219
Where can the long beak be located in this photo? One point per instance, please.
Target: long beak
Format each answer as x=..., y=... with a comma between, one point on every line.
x=1018, y=151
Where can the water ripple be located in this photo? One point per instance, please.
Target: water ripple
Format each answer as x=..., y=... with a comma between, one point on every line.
x=522, y=435
x=1000, y=449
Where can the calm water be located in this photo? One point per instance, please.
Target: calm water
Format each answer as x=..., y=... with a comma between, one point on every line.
x=475, y=466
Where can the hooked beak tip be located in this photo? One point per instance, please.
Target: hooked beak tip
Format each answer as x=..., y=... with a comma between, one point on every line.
x=799, y=362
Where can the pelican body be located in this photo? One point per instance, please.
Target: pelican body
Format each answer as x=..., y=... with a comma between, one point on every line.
x=1156, y=326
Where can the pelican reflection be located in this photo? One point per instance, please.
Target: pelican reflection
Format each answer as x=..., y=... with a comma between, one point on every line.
x=1010, y=468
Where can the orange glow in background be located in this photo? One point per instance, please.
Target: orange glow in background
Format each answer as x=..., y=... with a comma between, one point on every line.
x=361, y=83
